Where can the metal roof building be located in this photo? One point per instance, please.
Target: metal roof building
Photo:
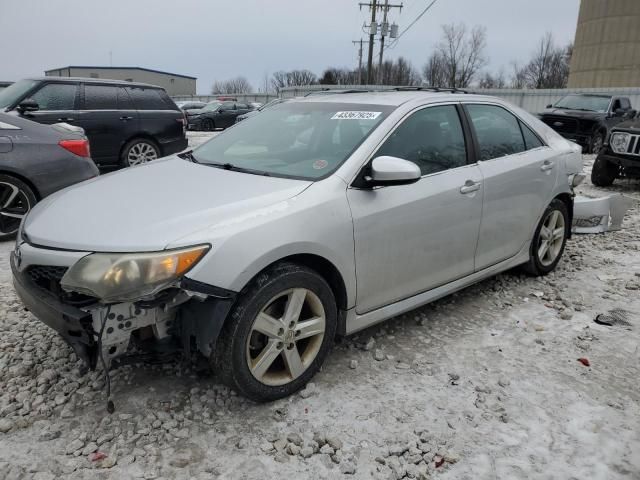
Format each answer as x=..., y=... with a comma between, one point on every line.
x=173, y=83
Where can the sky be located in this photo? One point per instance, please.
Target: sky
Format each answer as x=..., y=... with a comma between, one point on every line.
x=221, y=39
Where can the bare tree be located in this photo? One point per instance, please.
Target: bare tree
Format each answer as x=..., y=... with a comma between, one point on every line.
x=396, y=72
x=338, y=76
x=549, y=65
x=434, y=73
x=489, y=80
x=231, y=86
x=518, y=77
x=461, y=52
x=294, y=78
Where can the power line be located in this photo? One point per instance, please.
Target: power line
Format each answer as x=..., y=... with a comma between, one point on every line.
x=393, y=44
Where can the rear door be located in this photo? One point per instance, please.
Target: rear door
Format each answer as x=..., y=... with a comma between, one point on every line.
x=160, y=118
x=57, y=103
x=109, y=120
x=519, y=174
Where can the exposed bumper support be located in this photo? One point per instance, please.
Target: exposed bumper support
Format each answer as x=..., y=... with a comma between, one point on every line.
x=597, y=215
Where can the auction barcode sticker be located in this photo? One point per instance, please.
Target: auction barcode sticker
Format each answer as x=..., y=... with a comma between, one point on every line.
x=356, y=115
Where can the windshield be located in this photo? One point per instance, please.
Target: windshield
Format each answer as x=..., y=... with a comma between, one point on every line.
x=209, y=107
x=13, y=92
x=591, y=103
x=294, y=139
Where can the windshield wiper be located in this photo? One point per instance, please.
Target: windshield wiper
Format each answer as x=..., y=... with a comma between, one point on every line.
x=188, y=155
x=231, y=166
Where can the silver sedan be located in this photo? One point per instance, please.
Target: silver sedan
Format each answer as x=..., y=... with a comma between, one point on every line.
x=319, y=217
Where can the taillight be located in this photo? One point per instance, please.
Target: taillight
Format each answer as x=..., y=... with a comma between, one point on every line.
x=77, y=147
x=184, y=122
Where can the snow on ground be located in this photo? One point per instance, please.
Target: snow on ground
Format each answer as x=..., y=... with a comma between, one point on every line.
x=484, y=384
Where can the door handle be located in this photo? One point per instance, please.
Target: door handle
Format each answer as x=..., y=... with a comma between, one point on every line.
x=66, y=119
x=470, y=186
x=547, y=165
x=125, y=118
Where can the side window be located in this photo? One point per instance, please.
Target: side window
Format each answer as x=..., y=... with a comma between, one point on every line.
x=124, y=100
x=531, y=140
x=432, y=138
x=56, y=96
x=146, y=98
x=100, y=97
x=497, y=131
x=625, y=104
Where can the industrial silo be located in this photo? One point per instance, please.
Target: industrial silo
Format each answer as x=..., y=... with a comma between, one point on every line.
x=607, y=45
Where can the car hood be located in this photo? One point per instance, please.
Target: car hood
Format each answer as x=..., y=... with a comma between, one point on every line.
x=572, y=113
x=632, y=126
x=146, y=208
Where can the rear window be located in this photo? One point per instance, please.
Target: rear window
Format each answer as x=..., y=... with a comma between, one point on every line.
x=150, y=99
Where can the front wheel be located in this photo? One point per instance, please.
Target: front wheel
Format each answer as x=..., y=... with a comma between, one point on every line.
x=549, y=239
x=278, y=334
x=208, y=125
x=16, y=199
x=603, y=172
x=597, y=141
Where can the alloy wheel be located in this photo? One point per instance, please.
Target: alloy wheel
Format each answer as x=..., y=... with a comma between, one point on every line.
x=140, y=153
x=551, y=239
x=286, y=337
x=14, y=205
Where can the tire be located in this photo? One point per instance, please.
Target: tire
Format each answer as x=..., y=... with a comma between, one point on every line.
x=208, y=125
x=543, y=263
x=16, y=200
x=241, y=345
x=597, y=141
x=603, y=172
x=139, y=151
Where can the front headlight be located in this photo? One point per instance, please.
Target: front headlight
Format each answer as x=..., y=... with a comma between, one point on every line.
x=119, y=277
x=619, y=142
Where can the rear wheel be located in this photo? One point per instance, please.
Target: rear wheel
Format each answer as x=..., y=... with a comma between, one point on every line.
x=16, y=199
x=139, y=151
x=278, y=334
x=603, y=172
x=549, y=239
x=208, y=125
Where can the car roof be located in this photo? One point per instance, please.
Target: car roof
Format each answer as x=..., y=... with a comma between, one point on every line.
x=392, y=97
x=93, y=80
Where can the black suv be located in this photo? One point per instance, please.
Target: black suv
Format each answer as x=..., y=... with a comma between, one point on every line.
x=620, y=157
x=587, y=118
x=126, y=123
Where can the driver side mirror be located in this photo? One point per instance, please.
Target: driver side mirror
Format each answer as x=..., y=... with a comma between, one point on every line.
x=549, y=106
x=619, y=112
x=28, y=105
x=387, y=171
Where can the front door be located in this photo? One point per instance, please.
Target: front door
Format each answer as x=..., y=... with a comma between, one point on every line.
x=412, y=238
x=57, y=102
x=519, y=174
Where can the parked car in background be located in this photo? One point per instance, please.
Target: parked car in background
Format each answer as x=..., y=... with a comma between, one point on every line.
x=587, y=118
x=186, y=106
x=216, y=115
x=620, y=157
x=251, y=113
x=319, y=216
x=36, y=161
x=127, y=123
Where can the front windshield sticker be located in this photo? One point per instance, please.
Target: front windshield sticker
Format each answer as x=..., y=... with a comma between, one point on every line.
x=320, y=164
x=356, y=115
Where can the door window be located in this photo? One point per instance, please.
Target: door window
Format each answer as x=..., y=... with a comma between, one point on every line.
x=124, y=100
x=498, y=131
x=146, y=98
x=531, y=140
x=100, y=97
x=56, y=96
x=625, y=104
x=432, y=138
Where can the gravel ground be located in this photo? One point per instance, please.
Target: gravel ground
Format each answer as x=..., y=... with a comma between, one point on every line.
x=483, y=384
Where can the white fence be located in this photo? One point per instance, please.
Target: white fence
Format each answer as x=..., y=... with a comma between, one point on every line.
x=531, y=100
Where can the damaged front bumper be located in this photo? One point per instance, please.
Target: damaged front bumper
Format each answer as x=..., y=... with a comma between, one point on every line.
x=189, y=316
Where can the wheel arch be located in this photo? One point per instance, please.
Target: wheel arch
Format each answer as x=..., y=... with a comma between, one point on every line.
x=23, y=179
x=567, y=199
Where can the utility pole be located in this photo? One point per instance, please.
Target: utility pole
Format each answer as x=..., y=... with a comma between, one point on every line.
x=384, y=30
x=373, y=28
x=356, y=42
